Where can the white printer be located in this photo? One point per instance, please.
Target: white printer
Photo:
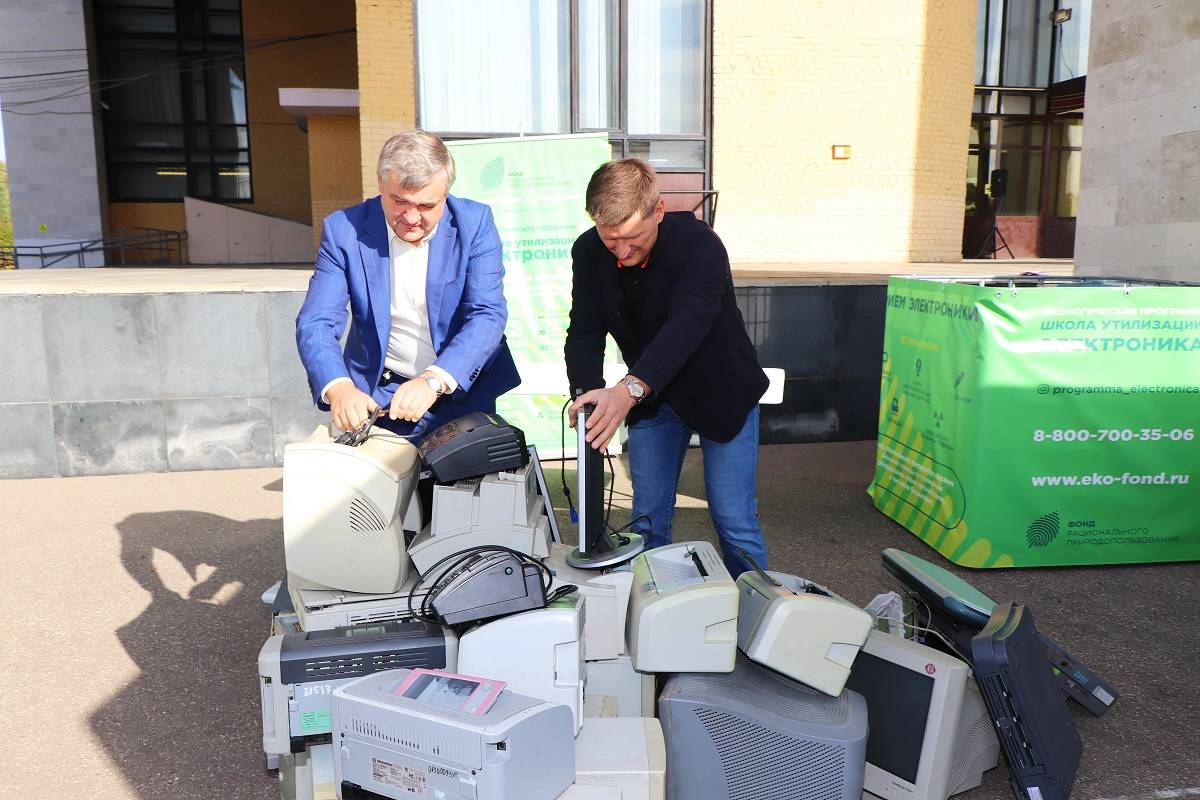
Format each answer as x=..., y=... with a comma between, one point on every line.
x=683, y=610
x=344, y=510
x=501, y=508
x=323, y=609
x=298, y=672
x=520, y=748
x=799, y=629
x=538, y=653
x=607, y=596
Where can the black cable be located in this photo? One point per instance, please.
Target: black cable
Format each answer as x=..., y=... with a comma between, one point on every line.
x=612, y=484
x=182, y=67
x=561, y=592
x=456, y=564
x=562, y=462
x=633, y=522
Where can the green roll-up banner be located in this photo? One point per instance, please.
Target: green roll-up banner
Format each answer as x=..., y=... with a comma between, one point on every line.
x=1042, y=423
x=535, y=186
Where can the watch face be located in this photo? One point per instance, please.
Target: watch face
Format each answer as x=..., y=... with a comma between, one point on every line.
x=635, y=389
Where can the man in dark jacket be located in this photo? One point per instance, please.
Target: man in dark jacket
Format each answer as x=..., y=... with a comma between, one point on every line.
x=660, y=284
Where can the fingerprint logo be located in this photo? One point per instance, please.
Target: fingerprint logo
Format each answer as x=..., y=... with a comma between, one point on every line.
x=492, y=174
x=1043, y=530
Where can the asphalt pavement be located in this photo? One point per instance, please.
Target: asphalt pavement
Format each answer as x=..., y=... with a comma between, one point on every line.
x=133, y=619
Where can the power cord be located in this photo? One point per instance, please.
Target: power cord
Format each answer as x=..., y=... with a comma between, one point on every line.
x=562, y=461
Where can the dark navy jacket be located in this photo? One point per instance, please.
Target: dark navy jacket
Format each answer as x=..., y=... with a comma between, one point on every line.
x=691, y=347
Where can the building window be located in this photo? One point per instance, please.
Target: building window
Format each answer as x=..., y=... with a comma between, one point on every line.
x=637, y=71
x=1027, y=118
x=173, y=99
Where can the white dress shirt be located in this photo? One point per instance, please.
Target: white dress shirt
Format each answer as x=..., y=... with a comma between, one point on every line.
x=410, y=344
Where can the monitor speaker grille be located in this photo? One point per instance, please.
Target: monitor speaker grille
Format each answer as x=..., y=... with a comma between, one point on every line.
x=978, y=740
x=366, y=520
x=762, y=764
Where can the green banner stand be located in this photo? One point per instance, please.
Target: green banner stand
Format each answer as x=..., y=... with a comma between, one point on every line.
x=1031, y=422
x=535, y=186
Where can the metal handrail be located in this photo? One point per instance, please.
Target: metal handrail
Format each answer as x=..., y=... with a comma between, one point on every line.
x=706, y=196
x=158, y=247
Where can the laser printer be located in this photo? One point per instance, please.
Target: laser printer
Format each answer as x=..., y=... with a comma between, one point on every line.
x=501, y=508
x=683, y=610
x=799, y=629
x=537, y=653
x=396, y=746
x=298, y=672
x=607, y=600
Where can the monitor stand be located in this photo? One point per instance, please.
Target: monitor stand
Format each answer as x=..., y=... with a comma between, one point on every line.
x=598, y=547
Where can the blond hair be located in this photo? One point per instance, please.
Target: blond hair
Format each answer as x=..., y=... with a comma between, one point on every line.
x=415, y=157
x=621, y=189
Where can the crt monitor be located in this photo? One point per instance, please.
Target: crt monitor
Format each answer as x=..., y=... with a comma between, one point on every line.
x=930, y=734
x=346, y=510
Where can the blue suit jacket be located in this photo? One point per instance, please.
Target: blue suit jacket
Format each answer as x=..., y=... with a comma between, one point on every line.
x=464, y=294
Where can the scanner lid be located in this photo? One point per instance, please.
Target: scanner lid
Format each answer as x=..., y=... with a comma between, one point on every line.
x=940, y=587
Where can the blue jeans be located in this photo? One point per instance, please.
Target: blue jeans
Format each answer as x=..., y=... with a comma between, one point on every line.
x=657, y=445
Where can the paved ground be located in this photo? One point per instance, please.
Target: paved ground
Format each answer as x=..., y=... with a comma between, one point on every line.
x=133, y=622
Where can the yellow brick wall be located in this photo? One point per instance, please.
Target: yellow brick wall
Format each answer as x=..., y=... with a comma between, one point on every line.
x=892, y=80
x=386, y=78
x=278, y=148
x=334, y=166
x=164, y=216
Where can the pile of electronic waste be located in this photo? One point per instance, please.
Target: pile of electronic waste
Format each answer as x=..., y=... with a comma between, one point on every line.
x=455, y=648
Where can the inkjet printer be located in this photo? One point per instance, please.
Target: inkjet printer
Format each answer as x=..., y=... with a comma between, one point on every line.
x=489, y=491
x=389, y=743
x=683, y=610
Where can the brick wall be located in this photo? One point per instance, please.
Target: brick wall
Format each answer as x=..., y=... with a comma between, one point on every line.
x=278, y=148
x=334, y=166
x=386, y=79
x=892, y=80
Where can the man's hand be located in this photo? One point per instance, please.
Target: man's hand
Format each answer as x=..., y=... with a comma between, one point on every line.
x=412, y=400
x=612, y=406
x=349, y=407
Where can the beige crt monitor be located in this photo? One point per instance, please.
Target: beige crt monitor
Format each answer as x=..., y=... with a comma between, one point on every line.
x=930, y=732
x=344, y=509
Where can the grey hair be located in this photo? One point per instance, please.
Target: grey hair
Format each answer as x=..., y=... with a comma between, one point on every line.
x=415, y=157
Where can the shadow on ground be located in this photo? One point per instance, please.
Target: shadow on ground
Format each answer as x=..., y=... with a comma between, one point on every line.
x=188, y=727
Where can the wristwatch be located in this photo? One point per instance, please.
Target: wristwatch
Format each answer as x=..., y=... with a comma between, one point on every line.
x=636, y=389
x=435, y=383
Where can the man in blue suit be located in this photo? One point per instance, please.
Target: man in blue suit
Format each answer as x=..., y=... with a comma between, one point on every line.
x=421, y=272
